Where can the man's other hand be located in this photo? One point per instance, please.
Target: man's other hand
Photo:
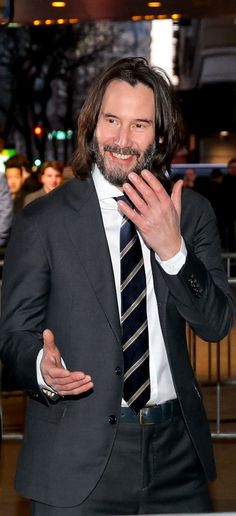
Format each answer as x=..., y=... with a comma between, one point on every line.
x=61, y=380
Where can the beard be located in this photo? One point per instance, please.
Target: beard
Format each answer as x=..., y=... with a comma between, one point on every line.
x=116, y=174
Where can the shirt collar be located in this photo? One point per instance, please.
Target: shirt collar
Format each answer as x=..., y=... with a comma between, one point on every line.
x=104, y=189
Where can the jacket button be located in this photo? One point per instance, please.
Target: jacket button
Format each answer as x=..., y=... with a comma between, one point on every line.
x=118, y=370
x=112, y=419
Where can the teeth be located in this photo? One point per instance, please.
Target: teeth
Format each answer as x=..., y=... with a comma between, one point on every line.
x=121, y=156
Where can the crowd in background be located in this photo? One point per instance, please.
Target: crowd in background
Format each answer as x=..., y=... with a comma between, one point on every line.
x=20, y=185
x=220, y=190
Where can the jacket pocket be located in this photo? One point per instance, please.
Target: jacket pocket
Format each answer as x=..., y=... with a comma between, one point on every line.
x=49, y=413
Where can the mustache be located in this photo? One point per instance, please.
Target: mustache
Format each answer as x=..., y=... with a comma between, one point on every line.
x=125, y=151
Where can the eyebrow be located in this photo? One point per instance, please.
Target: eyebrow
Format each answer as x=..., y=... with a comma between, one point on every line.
x=145, y=120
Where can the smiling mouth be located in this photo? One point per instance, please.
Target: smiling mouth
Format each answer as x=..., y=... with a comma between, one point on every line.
x=124, y=154
x=121, y=156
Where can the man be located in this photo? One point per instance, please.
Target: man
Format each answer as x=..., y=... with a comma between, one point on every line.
x=90, y=447
x=21, y=179
x=30, y=178
x=15, y=180
x=51, y=176
x=189, y=178
x=6, y=210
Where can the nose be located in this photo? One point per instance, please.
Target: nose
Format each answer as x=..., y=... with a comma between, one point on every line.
x=122, y=137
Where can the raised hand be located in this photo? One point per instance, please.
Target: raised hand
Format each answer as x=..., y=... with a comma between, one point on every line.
x=61, y=380
x=156, y=214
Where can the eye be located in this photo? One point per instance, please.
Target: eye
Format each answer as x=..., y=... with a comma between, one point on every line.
x=112, y=121
x=140, y=126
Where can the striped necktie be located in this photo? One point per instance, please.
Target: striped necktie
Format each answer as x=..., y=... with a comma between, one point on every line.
x=134, y=318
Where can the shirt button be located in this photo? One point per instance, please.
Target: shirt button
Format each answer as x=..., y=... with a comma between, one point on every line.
x=118, y=370
x=112, y=419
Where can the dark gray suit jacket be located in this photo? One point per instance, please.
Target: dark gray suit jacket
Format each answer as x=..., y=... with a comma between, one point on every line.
x=58, y=275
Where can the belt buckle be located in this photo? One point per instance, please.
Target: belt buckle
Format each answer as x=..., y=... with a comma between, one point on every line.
x=143, y=413
x=141, y=417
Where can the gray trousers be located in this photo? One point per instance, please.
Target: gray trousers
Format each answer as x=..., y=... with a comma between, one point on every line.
x=152, y=469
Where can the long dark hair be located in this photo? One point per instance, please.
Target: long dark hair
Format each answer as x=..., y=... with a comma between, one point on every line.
x=168, y=120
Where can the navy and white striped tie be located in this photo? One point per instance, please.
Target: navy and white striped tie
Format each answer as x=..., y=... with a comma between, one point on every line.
x=134, y=318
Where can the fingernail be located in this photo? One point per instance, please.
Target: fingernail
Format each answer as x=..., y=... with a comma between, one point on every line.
x=145, y=172
x=132, y=175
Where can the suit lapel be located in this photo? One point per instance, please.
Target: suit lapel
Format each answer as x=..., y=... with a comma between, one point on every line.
x=85, y=228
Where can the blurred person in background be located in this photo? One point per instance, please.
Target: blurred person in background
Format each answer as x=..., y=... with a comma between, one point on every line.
x=6, y=210
x=189, y=178
x=15, y=180
x=30, y=178
x=50, y=176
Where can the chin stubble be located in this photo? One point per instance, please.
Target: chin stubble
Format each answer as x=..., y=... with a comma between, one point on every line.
x=117, y=177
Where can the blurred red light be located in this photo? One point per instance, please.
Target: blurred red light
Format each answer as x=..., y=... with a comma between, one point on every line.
x=38, y=131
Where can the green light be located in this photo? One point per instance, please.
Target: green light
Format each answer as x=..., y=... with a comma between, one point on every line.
x=37, y=162
x=60, y=135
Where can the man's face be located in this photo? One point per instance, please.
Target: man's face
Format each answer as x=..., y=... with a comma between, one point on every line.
x=14, y=179
x=124, y=139
x=50, y=179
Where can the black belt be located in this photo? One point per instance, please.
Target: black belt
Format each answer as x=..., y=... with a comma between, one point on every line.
x=153, y=414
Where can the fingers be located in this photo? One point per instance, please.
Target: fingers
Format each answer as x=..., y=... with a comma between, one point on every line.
x=74, y=383
x=156, y=214
x=76, y=387
x=71, y=378
x=148, y=186
x=176, y=196
x=146, y=190
x=143, y=190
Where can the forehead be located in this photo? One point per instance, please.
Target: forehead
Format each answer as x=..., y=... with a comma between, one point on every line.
x=13, y=172
x=51, y=170
x=120, y=96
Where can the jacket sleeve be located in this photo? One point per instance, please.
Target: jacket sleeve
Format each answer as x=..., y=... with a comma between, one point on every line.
x=200, y=289
x=24, y=300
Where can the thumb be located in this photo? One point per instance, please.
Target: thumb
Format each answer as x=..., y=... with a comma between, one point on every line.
x=176, y=196
x=50, y=350
x=48, y=340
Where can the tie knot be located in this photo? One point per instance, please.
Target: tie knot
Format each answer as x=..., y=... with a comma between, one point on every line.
x=125, y=199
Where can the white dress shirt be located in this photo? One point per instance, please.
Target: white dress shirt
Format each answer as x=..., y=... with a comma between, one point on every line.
x=162, y=387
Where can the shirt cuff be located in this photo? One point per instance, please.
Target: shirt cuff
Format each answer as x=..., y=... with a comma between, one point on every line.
x=174, y=264
x=47, y=389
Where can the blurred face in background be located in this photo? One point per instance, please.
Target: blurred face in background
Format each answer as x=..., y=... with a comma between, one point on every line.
x=51, y=178
x=14, y=179
x=189, y=178
x=232, y=168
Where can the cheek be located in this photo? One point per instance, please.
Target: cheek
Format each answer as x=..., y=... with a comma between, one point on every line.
x=145, y=144
x=103, y=135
